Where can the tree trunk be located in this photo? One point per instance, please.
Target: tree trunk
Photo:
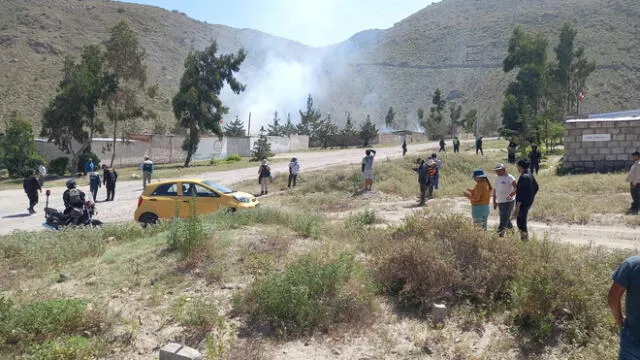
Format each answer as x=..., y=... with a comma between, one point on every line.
x=115, y=136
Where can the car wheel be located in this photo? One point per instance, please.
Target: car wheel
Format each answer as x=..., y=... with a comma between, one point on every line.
x=148, y=219
x=230, y=210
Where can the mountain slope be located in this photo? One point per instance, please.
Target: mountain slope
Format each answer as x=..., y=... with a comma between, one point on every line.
x=456, y=45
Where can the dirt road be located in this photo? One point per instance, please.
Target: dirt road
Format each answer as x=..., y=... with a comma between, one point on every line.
x=13, y=208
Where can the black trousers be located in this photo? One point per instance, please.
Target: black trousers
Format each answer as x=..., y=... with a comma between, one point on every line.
x=635, y=197
x=426, y=191
x=456, y=148
x=94, y=192
x=33, y=200
x=479, y=149
x=442, y=149
x=111, y=191
x=535, y=167
x=521, y=221
x=292, y=180
x=512, y=158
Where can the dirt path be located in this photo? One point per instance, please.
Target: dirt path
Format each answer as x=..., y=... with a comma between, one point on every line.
x=13, y=208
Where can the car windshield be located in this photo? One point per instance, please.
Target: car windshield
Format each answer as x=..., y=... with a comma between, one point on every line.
x=217, y=187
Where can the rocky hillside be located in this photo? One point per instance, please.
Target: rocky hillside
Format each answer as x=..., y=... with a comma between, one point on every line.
x=457, y=45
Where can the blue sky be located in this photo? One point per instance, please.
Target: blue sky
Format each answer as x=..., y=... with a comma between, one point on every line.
x=311, y=22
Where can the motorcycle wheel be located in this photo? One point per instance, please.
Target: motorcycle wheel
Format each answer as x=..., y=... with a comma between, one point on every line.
x=96, y=223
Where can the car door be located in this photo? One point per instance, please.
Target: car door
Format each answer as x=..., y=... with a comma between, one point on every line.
x=198, y=199
x=165, y=201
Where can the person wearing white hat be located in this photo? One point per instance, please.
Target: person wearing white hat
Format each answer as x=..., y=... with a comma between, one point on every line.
x=504, y=197
x=264, y=177
x=479, y=197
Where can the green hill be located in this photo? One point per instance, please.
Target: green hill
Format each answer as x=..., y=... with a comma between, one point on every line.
x=457, y=45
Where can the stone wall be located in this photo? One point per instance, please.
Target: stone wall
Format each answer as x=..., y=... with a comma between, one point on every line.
x=596, y=144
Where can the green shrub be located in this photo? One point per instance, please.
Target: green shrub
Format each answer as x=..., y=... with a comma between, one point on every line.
x=187, y=236
x=47, y=320
x=59, y=166
x=310, y=295
x=445, y=258
x=67, y=348
x=196, y=314
x=361, y=219
x=233, y=158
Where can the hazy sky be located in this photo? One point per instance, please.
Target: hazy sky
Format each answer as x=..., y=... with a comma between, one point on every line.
x=311, y=22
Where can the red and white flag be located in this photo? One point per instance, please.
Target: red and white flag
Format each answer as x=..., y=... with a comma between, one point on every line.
x=580, y=96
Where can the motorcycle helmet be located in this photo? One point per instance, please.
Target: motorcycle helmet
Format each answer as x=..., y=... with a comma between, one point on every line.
x=71, y=184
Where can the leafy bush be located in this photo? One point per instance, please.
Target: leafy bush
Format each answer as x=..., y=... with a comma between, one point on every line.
x=59, y=166
x=361, y=219
x=67, y=348
x=84, y=158
x=233, y=158
x=46, y=320
x=187, y=236
x=311, y=294
x=445, y=258
x=17, y=148
x=196, y=314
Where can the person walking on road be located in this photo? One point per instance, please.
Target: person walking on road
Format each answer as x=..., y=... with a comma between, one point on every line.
x=504, y=197
x=110, y=179
x=147, y=171
x=511, y=151
x=534, y=158
x=264, y=177
x=294, y=169
x=479, y=197
x=633, y=178
x=42, y=174
x=456, y=145
x=367, y=169
x=479, y=146
x=442, y=145
x=626, y=279
x=31, y=187
x=404, y=147
x=94, y=184
x=527, y=188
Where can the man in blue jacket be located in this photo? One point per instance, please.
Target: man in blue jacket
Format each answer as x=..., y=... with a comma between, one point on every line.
x=626, y=279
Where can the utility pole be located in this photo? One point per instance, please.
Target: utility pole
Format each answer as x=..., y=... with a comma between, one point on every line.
x=249, y=126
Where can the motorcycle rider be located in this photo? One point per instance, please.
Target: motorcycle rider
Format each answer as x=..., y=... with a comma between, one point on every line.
x=74, y=199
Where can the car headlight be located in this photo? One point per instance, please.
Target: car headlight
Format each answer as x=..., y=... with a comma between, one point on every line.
x=242, y=199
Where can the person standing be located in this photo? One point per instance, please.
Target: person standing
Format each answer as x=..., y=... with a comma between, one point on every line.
x=511, y=151
x=479, y=146
x=31, y=187
x=534, y=159
x=504, y=197
x=626, y=279
x=404, y=147
x=94, y=184
x=147, y=171
x=423, y=181
x=633, y=178
x=442, y=145
x=479, y=197
x=456, y=145
x=367, y=169
x=42, y=174
x=89, y=167
x=264, y=177
x=526, y=190
x=294, y=169
x=437, y=164
x=110, y=179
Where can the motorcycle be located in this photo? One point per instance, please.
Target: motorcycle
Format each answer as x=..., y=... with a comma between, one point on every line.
x=77, y=216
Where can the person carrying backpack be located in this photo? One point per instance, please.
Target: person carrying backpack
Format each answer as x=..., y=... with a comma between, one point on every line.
x=94, y=184
x=110, y=179
x=527, y=188
x=147, y=171
x=72, y=197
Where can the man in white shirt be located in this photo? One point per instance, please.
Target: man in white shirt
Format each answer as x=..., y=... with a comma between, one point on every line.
x=42, y=172
x=294, y=169
x=634, y=181
x=367, y=169
x=504, y=197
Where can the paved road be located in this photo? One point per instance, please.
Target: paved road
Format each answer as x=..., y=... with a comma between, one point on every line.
x=13, y=203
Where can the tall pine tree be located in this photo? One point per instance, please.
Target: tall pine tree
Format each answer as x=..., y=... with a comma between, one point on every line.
x=289, y=129
x=275, y=129
x=235, y=128
x=309, y=118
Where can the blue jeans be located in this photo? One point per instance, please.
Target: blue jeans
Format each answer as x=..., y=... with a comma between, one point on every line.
x=480, y=215
x=506, y=209
x=629, y=345
x=436, y=181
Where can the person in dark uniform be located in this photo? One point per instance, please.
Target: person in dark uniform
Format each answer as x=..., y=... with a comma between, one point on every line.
x=456, y=145
x=442, y=145
x=31, y=187
x=534, y=159
x=404, y=147
x=511, y=151
x=110, y=177
x=479, y=146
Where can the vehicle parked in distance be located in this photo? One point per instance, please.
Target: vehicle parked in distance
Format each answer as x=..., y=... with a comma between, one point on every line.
x=179, y=198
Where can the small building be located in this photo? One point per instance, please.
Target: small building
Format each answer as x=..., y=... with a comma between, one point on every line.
x=601, y=142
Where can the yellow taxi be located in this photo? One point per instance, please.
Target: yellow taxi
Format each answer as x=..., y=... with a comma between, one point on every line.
x=178, y=198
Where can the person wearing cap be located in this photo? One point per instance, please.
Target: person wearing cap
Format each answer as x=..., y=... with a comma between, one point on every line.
x=633, y=178
x=504, y=197
x=294, y=169
x=626, y=280
x=479, y=197
x=526, y=190
x=264, y=177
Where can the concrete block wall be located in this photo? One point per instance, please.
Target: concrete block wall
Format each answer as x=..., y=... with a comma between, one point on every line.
x=620, y=138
